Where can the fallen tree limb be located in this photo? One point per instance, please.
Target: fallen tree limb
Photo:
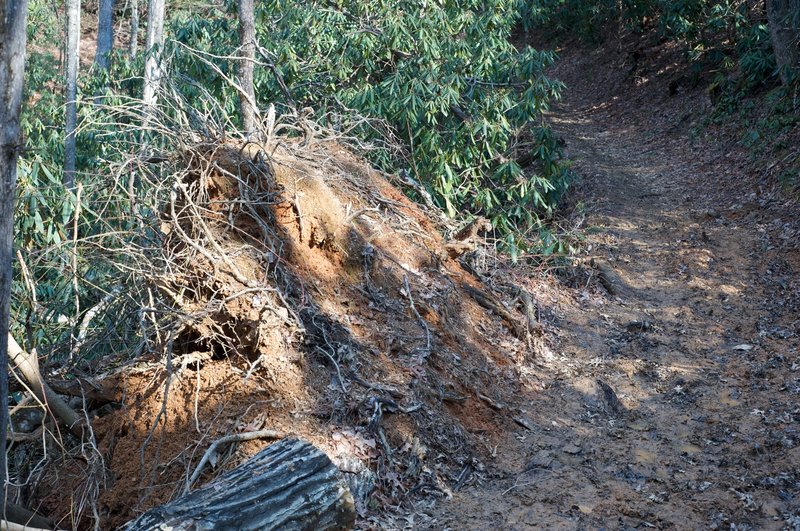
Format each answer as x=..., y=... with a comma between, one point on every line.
x=531, y=312
x=290, y=485
x=236, y=437
x=24, y=437
x=28, y=365
x=608, y=278
x=100, y=392
x=490, y=302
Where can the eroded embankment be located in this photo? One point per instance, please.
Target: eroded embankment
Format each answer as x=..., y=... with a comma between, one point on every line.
x=311, y=297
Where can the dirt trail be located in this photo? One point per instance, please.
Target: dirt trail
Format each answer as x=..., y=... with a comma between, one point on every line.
x=673, y=403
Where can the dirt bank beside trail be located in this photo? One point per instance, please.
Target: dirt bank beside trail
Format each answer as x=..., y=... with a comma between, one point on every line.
x=317, y=301
x=672, y=397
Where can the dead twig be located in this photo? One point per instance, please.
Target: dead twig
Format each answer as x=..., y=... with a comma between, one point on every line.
x=422, y=321
x=491, y=303
x=517, y=484
x=336, y=366
x=91, y=314
x=236, y=437
x=494, y=405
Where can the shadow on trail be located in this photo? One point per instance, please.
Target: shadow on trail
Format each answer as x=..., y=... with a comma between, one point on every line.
x=671, y=401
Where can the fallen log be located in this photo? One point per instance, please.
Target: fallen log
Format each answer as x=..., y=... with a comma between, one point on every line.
x=289, y=485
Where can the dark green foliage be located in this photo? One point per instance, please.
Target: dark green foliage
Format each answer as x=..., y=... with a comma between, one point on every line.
x=728, y=37
x=435, y=88
x=46, y=210
x=465, y=104
x=572, y=18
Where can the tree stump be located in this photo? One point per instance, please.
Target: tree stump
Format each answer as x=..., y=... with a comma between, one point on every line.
x=289, y=485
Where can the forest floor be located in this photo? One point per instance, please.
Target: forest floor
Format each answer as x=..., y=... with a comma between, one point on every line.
x=664, y=392
x=672, y=397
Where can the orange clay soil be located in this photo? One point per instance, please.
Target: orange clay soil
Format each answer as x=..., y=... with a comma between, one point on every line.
x=307, y=327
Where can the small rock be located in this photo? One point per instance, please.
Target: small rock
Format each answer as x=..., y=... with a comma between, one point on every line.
x=743, y=347
x=612, y=403
x=543, y=459
x=572, y=449
x=639, y=326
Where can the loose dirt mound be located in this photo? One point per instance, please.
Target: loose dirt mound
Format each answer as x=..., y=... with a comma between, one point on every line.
x=311, y=297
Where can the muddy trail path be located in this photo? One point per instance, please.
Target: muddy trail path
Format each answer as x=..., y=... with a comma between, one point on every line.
x=672, y=397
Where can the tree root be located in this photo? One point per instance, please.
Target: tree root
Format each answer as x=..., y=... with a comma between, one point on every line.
x=28, y=365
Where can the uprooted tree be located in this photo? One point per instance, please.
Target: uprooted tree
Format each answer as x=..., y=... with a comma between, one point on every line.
x=143, y=217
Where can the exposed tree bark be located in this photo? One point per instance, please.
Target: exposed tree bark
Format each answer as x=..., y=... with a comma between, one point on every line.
x=13, y=15
x=784, y=28
x=290, y=485
x=105, y=34
x=71, y=84
x=154, y=43
x=97, y=393
x=247, y=40
x=133, y=45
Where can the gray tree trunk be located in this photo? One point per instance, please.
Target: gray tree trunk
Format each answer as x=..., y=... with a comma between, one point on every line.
x=13, y=14
x=247, y=39
x=290, y=485
x=71, y=84
x=784, y=27
x=105, y=34
x=133, y=45
x=154, y=44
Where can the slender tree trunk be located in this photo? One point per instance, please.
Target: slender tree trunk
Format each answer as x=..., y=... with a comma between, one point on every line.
x=247, y=39
x=154, y=43
x=784, y=27
x=133, y=45
x=13, y=14
x=71, y=83
x=105, y=34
